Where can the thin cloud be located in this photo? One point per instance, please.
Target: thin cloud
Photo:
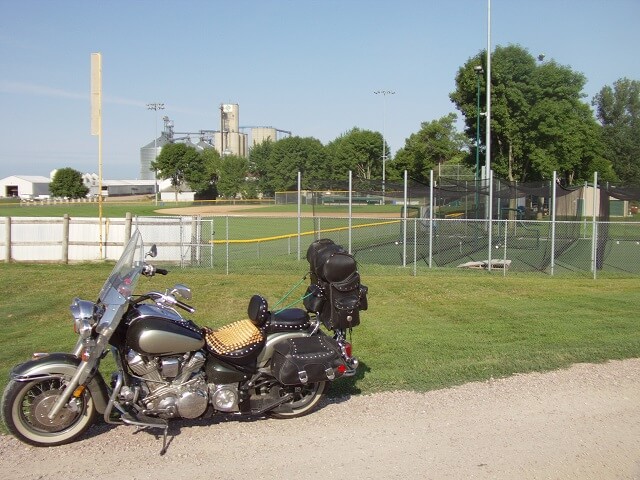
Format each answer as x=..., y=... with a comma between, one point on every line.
x=45, y=91
x=40, y=90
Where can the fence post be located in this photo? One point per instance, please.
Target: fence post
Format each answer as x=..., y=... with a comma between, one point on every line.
x=594, y=229
x=490, y=219
x=127, y=228
x=299, y=210
x=430, y=217
x=7, y=239
x=65, y=238
x=553, y=222
x=195, y=244
x=404, y=222
x=227, y=241
x=350, y=207
x=415, y=246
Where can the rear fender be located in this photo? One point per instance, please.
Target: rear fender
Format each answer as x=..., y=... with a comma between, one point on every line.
x=61, y=365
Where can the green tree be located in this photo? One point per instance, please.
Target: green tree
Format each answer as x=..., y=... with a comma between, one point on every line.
x=67, y=182
x=618, y=110
x=233, y=171
x=259, y=165
x=181, y=164
x=204, y=181
x=290, y=156
x=539, y=122
x=359, y=151
x=436, y=143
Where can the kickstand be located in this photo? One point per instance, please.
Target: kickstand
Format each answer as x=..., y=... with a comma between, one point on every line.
x=164, y=440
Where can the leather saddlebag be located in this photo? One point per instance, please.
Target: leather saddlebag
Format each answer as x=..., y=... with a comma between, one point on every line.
x=303, y=360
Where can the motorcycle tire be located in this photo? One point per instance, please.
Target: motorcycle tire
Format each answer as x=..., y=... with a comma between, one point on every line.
x=305, y=399
x=25, y=406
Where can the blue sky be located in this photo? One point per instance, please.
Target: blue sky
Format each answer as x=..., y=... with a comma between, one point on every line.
x=310, y=67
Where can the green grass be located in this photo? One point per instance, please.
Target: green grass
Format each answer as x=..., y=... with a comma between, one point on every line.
x=109, y=209
x=420, y=333
x=119, y=209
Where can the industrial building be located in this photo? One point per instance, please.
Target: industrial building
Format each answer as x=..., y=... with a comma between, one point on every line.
x=231, y=139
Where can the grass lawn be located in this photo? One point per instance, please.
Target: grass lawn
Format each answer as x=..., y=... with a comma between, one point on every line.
x=420, y=333
x=116, y=209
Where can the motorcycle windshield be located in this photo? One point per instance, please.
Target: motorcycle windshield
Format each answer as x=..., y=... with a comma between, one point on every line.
x=124, y=276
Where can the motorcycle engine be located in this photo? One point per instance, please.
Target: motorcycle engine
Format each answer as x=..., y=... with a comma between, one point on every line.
x=173, y=386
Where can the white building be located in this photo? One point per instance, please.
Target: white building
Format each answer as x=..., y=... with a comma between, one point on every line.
x=26, y=187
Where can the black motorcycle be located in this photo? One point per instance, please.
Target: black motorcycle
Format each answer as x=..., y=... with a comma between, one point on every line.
x=275, y=362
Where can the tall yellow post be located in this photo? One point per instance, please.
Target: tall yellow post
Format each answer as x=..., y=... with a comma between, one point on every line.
x=96, y=127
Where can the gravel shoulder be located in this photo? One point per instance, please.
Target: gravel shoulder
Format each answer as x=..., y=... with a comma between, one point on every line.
x=582, y=422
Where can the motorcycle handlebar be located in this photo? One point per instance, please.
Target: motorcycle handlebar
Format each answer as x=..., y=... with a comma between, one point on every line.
x=149, y=270
x=157, y=296
x=184, y=306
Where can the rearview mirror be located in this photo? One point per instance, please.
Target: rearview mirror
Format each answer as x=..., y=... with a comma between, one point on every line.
x=181, y=290
x=153, y=252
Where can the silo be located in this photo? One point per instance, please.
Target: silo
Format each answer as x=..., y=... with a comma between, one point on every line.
x=231, y=143
x=262, y=134
x=229, y=117
x=148, y=154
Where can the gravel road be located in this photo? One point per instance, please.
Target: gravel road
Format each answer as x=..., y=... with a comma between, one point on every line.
x=578, y=423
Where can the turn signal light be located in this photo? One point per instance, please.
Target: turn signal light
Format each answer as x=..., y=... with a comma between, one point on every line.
x=342, y=368
x=78, y=391
x=86, y=354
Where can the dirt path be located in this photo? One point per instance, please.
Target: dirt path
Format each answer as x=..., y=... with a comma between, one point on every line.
x=579, y=423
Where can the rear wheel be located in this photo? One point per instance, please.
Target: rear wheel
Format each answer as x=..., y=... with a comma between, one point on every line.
x=305, y=399
x=26, y=406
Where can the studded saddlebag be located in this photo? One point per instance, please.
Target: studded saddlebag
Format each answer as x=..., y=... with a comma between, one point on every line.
x=304, y=360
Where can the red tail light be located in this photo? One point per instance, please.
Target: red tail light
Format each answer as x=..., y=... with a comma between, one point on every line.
x=348, y=350
x=342, y=368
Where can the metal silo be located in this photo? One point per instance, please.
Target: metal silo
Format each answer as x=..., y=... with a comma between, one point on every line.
x=148, y=154
x=262, y=134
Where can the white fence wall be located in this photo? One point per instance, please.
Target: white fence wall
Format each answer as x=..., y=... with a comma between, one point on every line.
x=55, y=239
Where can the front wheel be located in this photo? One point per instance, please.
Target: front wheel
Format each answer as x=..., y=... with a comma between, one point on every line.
x=305, y=399
x=26, y=405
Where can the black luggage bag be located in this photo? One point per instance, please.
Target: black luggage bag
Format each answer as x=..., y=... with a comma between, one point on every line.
x=303, y=360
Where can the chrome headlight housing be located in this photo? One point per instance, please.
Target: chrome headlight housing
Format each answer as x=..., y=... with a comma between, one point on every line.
x=84, y=317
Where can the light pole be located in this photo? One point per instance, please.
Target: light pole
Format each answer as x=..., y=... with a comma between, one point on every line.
x=155, y=107
x=384, y=94
x=479, y=71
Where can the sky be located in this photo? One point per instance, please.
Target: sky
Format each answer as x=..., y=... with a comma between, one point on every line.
x=309, y=67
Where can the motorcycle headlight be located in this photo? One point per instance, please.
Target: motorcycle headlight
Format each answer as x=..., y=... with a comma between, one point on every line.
x=84, y=317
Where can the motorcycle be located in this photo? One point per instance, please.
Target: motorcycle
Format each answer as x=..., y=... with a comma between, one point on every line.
x=277, y=363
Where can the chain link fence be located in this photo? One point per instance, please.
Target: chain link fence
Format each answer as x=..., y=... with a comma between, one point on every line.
x=237, y=244
x=246, y=244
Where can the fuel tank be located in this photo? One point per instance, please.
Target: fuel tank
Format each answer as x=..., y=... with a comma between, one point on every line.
x=156, y=331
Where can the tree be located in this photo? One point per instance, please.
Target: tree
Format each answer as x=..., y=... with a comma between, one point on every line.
x=359, y=151
x=290, y=156
x=204, y=182
x=67, y=182
x=181, y=164
x=436, y=143
x=259, y=164
x=618, y=110
x=539, y=122
x=233, y=171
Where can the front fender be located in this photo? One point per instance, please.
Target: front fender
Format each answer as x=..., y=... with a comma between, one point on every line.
x=61, y=364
